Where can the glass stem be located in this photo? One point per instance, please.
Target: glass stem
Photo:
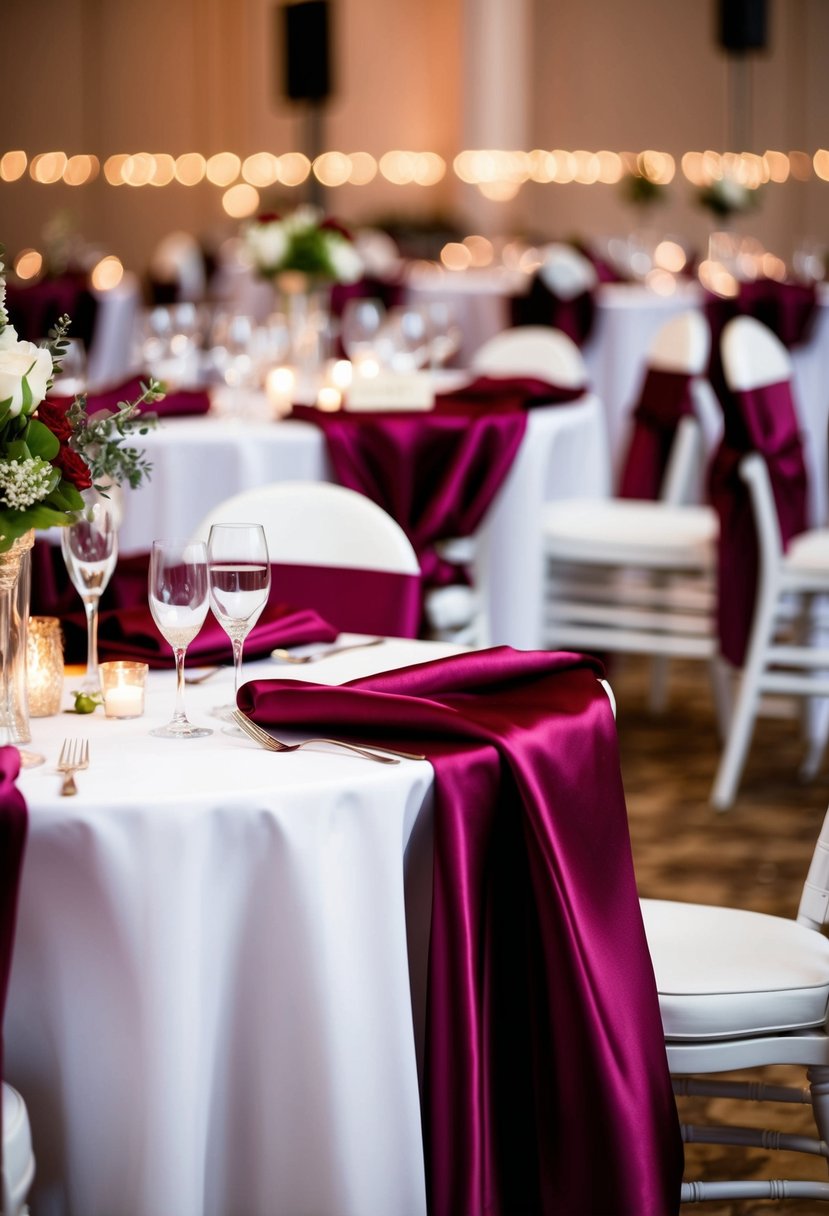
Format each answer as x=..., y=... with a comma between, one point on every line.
x=238, y=644
x=91, y=681
x=179, y=716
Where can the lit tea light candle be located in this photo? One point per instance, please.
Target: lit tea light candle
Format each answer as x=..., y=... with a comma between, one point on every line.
x=122, y=685
x=280, y=384
x=340, y=374
x=366, y=366
x=329, y=398
x=44, y=666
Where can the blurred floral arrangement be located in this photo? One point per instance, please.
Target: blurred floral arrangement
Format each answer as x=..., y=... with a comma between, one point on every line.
x=641, y=190
x=725, y=196
x=49, y=454
x=303, y=242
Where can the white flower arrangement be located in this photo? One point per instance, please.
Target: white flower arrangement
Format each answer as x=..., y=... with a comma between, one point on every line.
x=302, y=242
x=726, y=196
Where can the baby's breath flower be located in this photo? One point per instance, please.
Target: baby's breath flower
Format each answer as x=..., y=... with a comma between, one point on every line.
x=25, y=482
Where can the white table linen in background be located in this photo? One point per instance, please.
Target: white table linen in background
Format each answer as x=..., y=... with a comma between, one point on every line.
x=210, y=1009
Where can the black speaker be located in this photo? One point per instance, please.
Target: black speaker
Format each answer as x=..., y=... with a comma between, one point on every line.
x=306, y=57
x=742, y=25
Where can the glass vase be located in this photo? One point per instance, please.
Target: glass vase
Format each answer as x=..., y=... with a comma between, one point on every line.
x=304, y=303
x=15, y=591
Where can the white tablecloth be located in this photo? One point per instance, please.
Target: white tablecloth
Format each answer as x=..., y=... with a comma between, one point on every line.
x=210, y=1008
x=198, y=462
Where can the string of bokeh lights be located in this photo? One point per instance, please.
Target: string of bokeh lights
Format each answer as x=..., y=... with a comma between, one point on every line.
x=498, y=175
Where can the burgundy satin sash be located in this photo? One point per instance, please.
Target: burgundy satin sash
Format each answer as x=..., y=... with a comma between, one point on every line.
x=179, y=403
x=541, y=306
x=35, y=308
x=13, y=828
x=787, y=309
x=664, y=400
x=436, y=473
x=761, y=420
x=546, y=1086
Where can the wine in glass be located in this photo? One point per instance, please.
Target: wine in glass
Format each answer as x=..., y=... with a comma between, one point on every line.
x=90, y=551
x=239, y=576
x=178, y=602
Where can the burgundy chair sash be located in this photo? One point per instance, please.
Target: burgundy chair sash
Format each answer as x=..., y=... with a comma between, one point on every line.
x=664, y=400
x=787, y=309
x=540, y=306
x=13, y=829
x=35, y=308
x=546, y=1085
x=760, y=420
x=179, y=403
x=436, y=473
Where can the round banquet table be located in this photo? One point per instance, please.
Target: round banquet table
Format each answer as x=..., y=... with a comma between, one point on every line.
x=198, y=462
x=211, y=1008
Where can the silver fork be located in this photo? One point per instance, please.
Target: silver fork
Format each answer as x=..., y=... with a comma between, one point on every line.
x=267, y=740
x=74, y=756
x=285, y=656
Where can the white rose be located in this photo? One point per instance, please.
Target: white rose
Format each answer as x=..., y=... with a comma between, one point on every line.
x=8, y=337
x=345, y=260
x=22, y=361
x=267, y=244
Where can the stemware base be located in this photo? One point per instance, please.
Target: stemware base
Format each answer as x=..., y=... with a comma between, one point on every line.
x=181, y=730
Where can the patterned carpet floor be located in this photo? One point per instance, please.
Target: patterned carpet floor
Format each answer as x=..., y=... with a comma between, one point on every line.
x=755, y=855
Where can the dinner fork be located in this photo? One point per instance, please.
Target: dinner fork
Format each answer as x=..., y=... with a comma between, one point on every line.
x=286, y=656
x=74, y=756
x=254, y=731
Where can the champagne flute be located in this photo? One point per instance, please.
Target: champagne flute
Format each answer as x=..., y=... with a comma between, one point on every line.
x=178, y=602
x=239, y=577
x=90, y=551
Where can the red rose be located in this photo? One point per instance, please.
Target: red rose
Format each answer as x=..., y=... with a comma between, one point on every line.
x=53, y=416
x=332, y=225
x=73, y=467
x=267, y=217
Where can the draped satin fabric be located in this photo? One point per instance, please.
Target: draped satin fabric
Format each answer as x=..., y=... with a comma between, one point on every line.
x=546, y=1087
x=761, y=420
x=179, y=403
x=664, y=400
x=13, y=830
x=540, y=306
x=436, y=473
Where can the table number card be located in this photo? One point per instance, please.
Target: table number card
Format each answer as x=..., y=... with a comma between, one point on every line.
x=391, y=391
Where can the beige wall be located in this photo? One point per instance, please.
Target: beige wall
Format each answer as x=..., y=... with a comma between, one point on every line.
x=173, y=75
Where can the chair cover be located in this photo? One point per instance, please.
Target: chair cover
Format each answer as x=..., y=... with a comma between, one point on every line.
x=665, y=399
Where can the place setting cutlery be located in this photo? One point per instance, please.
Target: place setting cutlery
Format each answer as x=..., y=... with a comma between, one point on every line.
x=382, y=755
x=74, y=756
x=281, y=655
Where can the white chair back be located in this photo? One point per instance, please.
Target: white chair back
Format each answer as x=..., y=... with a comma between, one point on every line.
x=682, y=344
x=813, y=910
x=752, y=355
x=566, y=272
x=533, y=350
x=318, y=524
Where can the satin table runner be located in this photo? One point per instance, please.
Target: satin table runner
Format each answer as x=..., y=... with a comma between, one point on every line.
x=13, y=828
x=546, y=1084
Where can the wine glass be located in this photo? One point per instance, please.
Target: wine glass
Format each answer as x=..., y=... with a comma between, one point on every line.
x=178, y=601
x=239, y=577
x=359, y=325
x=90, y=551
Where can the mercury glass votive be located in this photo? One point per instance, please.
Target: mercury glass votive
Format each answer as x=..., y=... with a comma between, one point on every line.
x=122, y=686
x=44, y=666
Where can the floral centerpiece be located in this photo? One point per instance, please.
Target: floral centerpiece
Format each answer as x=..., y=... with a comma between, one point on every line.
x=49, y=455
x=303, y=243
x=725, y=196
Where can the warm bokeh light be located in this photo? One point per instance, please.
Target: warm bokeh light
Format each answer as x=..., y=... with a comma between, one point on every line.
x=138, y=170
x=48, y=167
x=480, y=250
x=587, y=168
x=363, y=168
x=294, y=168
x=430, y=169
x=398, y=167
x=801, y=166
x=332, y=168
x=107, y=274
x=240, y=201
x=692, y=168
x=669, y=255
x=715, y=277
x=541, y=165
x=657, y=167
x=223, y=168
x=80, y=170
x=455, y=256
x=773, y=267
x=28, y=264
x=164, y=169
x=261, y=169
x=190, y=168
x=820, y=162
x=499, y=191
x=13, y=165
x=114, y=169
x=661, y=281
x=778, y=167
x=610, y=167
x=565, y=166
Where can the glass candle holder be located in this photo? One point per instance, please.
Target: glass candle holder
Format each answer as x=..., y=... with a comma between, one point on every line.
x=44, y=666
x=122, y=686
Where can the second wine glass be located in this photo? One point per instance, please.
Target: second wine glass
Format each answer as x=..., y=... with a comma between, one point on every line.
x=178, y=602
x=239, y=576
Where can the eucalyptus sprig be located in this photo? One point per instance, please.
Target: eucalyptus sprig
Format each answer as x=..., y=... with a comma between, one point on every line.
x=100, y=439
x=56, y=343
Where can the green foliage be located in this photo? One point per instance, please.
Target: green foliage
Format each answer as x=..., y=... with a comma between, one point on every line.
x=100, y=440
